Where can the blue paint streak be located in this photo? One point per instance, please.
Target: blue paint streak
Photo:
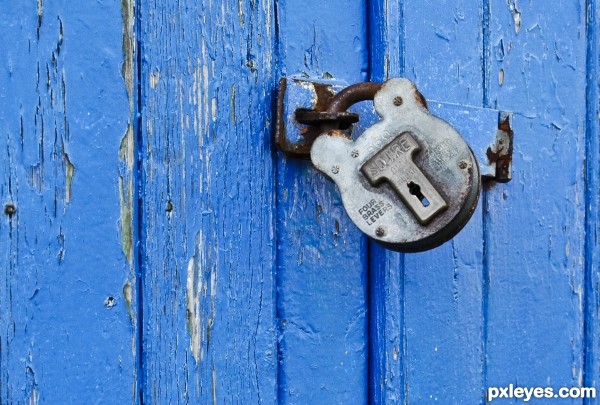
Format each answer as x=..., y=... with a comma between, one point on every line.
x=485, y=286
x=138, y=215
x=485, y=60
x=386, y=268
x=592, y=223
x=485, y=277
x=322, y=260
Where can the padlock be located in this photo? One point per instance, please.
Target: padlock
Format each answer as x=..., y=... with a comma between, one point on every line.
x=410, y=181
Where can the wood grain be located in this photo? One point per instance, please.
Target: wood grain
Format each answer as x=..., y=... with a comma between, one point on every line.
x=502, y=302
x=67, y=330
x=535, y=225
x=322, y=257
x=207, y=222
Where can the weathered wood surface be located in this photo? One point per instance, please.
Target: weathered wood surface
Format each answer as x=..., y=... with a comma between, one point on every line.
x=504, y=301
x=67, y=317
x=208, y=195
x=139, y=187
x=322, y=257
x=535, y=226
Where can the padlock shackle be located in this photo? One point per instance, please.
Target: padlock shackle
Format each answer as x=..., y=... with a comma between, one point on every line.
x=353, y=94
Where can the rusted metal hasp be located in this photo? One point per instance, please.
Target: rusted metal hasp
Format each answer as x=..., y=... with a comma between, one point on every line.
x=303, y=106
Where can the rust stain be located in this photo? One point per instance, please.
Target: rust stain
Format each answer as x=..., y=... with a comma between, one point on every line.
x=420, y=99
x=503, y=150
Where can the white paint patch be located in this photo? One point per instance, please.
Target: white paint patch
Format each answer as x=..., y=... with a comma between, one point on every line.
x=40, y=8
x=33, y=399
x=69, y=173
x=126, y=150
x=213, y=108
x=214, y=386
x=154, y=79
x=193, y=310
x=512, y=5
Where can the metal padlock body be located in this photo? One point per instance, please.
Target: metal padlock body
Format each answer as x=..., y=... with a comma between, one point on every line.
x=437, y=150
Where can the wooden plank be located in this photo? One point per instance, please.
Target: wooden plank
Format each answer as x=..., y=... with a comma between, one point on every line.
x=535, y=224
x=427, y=307
x=67, y=317
x=322, y=258
x=386, y=269
x=207, y=233
x=592, y=253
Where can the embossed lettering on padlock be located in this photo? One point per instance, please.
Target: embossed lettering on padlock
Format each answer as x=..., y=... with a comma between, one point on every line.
x=394, y=164
x=409, y=181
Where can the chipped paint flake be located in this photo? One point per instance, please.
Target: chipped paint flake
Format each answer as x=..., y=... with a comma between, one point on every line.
x=214, y=386
x=193, y=309
x=127, y=68
x=201, y=292
x=233, y=116
x=40, y=15
x=154, y=79
x=512, y=5
x=33, y=398
x=126, y=149
x=213, y=105
x=126, y=202
x=128, y=297
x=69, y=173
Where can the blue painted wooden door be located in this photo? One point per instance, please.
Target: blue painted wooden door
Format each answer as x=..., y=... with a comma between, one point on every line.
x=156, y=248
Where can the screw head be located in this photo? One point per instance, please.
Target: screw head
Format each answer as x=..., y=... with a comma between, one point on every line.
x=354, y=153
x=463, y=164
x=10, y=209
x=335, y=169
x=380, y=232
x=398, y=101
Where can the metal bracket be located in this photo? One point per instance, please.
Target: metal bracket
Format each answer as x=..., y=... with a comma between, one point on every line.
x=487, y=131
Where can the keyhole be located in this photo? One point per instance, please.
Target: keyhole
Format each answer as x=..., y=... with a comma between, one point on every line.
x=415, y=190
